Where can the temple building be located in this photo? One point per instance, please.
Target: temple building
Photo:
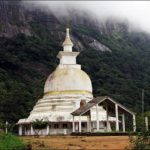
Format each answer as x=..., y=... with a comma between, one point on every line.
x=68, y=104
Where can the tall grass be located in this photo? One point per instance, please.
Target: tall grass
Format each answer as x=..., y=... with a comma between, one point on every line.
x=10, y=142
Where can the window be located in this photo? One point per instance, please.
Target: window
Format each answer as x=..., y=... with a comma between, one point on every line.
x=83, y=124
x=56, y=126
x=65, y=126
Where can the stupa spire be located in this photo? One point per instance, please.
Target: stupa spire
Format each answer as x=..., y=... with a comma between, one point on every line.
x=67, y=44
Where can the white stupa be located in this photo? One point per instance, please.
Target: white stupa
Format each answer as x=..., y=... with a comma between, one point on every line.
x=64, y=88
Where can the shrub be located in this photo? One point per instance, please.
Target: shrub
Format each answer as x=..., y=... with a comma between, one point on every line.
x=140, y=142
x=10, y=142
x=39, y=125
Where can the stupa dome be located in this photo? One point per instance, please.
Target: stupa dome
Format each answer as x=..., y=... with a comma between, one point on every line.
x=68, y=81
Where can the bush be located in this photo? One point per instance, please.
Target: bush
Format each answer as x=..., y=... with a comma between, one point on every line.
x=39, y=125
x=10, y=142
x=140, y=142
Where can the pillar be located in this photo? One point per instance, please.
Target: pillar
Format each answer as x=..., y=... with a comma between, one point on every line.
x=20, y=129
x=73, y=125
x=25, y=130
x=146, y=123
x=117, y=117
x=88, y=124
x=47, y=129
x=76, y=126
x=80, y=124
x=88, y=127
x=107, y=119
x=32, y=131
x=97, y=118
x=134, y=124
x=123, y=123
x=6, y=128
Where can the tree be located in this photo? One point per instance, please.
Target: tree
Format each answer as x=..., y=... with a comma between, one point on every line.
x=39, y=125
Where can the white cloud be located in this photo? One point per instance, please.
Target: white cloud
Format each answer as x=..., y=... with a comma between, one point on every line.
x=137, y=12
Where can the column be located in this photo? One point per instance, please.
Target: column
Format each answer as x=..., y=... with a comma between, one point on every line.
x=123, y=123
x=6, y=128
x=146, y=123
x=107, y=119
x=80, y=124
x=97, y=118
x=88, y=124
x=32, y=132
x=117, y=118
x=20, y=130
x=134, y=123
x=76, y=126
x=73, y=125
x=47, y=129
x=25, y=131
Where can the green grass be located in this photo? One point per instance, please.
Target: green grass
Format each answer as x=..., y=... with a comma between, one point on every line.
x=10, y=142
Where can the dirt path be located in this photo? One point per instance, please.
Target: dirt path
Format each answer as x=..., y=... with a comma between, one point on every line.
x=78, y=142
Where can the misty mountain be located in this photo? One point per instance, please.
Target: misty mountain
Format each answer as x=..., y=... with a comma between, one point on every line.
x=115, y=57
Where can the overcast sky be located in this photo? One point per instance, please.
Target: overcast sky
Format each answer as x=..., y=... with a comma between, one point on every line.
x=137, y=12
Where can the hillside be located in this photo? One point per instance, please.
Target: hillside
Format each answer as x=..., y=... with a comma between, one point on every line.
x=116, y=58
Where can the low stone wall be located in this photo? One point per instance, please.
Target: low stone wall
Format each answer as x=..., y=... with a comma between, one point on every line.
x=104, y=134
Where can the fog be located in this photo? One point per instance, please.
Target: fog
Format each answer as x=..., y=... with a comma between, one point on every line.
x=136, y=12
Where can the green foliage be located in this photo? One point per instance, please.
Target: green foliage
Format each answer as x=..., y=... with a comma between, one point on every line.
x=21, y=83
x=140, y=119
x=140, y=142
x=39, y=124
x=8, y=125
x=123, y=73
x=10, y=142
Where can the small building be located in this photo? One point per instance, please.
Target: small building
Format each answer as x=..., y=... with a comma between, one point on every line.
x=93, y=109
x=68, y=104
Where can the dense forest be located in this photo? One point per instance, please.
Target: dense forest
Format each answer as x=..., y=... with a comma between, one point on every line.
x=116, y=59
